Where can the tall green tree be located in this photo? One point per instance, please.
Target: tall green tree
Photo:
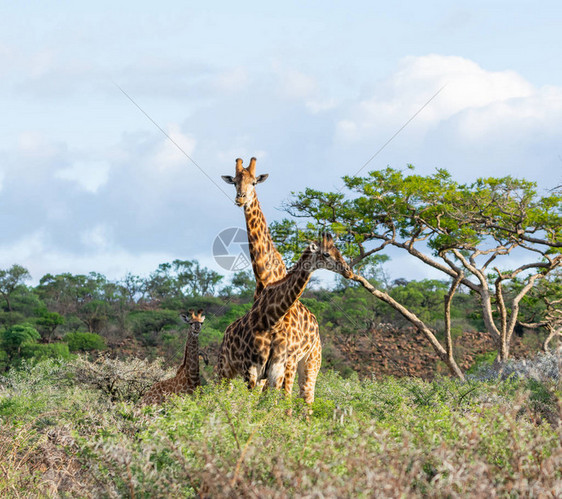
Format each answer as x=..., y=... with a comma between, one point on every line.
x=10, y=280
x=88, y=297
x=181, y=279
x=49, y=322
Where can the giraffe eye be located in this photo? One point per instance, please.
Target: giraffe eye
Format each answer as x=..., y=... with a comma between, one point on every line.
x=326, y=254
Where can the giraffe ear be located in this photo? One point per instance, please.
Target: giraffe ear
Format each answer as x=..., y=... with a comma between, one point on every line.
x=228, y=179
x=261, y=178
x=184, y=318
x=313, y=247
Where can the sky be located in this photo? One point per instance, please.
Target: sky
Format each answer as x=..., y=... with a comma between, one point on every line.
x=312, y=89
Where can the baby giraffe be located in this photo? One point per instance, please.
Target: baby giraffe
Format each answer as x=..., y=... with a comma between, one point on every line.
x=187, y=377
x=247, y=345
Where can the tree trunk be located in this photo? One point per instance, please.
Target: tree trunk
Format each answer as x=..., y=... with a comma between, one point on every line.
x=552, y=332
x=416, y=321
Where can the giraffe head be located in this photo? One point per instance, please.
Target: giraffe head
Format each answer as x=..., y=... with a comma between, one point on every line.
x=325, y=255
x=194, y=320
x=245, y=182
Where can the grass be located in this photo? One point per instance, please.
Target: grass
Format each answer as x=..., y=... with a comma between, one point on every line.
x=61, y=435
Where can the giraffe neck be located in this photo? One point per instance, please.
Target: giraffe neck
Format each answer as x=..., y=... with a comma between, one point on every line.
x=190, y=363
x=267, y=263
x=276, y=300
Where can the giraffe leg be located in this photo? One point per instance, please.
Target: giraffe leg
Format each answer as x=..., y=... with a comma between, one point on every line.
x=277, y=360
x=252, y=377
x=290, y=373
x=308, y=369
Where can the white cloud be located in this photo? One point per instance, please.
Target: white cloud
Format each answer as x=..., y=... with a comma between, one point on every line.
x=22, y=250
x=516, y=118
x=89, y=175
x=467, y=86
x=168, y=156
x=35, y=252
x=96, y=238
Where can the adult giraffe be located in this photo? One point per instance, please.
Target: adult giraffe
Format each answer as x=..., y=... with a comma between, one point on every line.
x=297, y=338
x=246, y=348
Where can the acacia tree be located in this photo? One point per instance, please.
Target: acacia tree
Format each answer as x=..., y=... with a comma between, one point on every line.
x=474, y=233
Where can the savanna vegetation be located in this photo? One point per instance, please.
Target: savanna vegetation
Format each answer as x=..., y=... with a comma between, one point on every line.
x=78, y=351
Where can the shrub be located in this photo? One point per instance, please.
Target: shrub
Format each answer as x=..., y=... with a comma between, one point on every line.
x=482, y=361
x=121, y=380
x=147, y=325
x=38, y=352
x=12, y=339
x=4, y=360
x=84, y=342
x=61, y=436
x=210, y=336
x=546, y=367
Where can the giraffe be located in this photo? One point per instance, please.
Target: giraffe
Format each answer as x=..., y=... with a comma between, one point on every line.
x=299, y=333
x=187, y=377
x=248, y=344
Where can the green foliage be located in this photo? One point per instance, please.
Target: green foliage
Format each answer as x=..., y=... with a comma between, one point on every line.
x=233, y=313
x=38, y=352
x=84, y=342
x=181, y=278
x=49, y=321
x=12, y=339
x=444, y=224
x=210, y=336
x=4, y=360
x=482, y=360
x=444, y=438
x=10, y=280
x=148, y=324
x=424, y=298
x=243, y=283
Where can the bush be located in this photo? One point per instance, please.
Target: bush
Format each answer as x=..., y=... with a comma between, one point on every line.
x=545, y=367
x=12, y=339
x=482, y=362
x=210, y=336
x=120, y=380
x=62, y=436
x=38, y=352
x=147, y=325
x=84, y=342
x=4, y=360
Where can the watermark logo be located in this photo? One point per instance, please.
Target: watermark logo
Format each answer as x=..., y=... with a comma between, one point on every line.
x=231, y=249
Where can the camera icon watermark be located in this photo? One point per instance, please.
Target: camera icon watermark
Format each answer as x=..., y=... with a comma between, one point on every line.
x=231, y=249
